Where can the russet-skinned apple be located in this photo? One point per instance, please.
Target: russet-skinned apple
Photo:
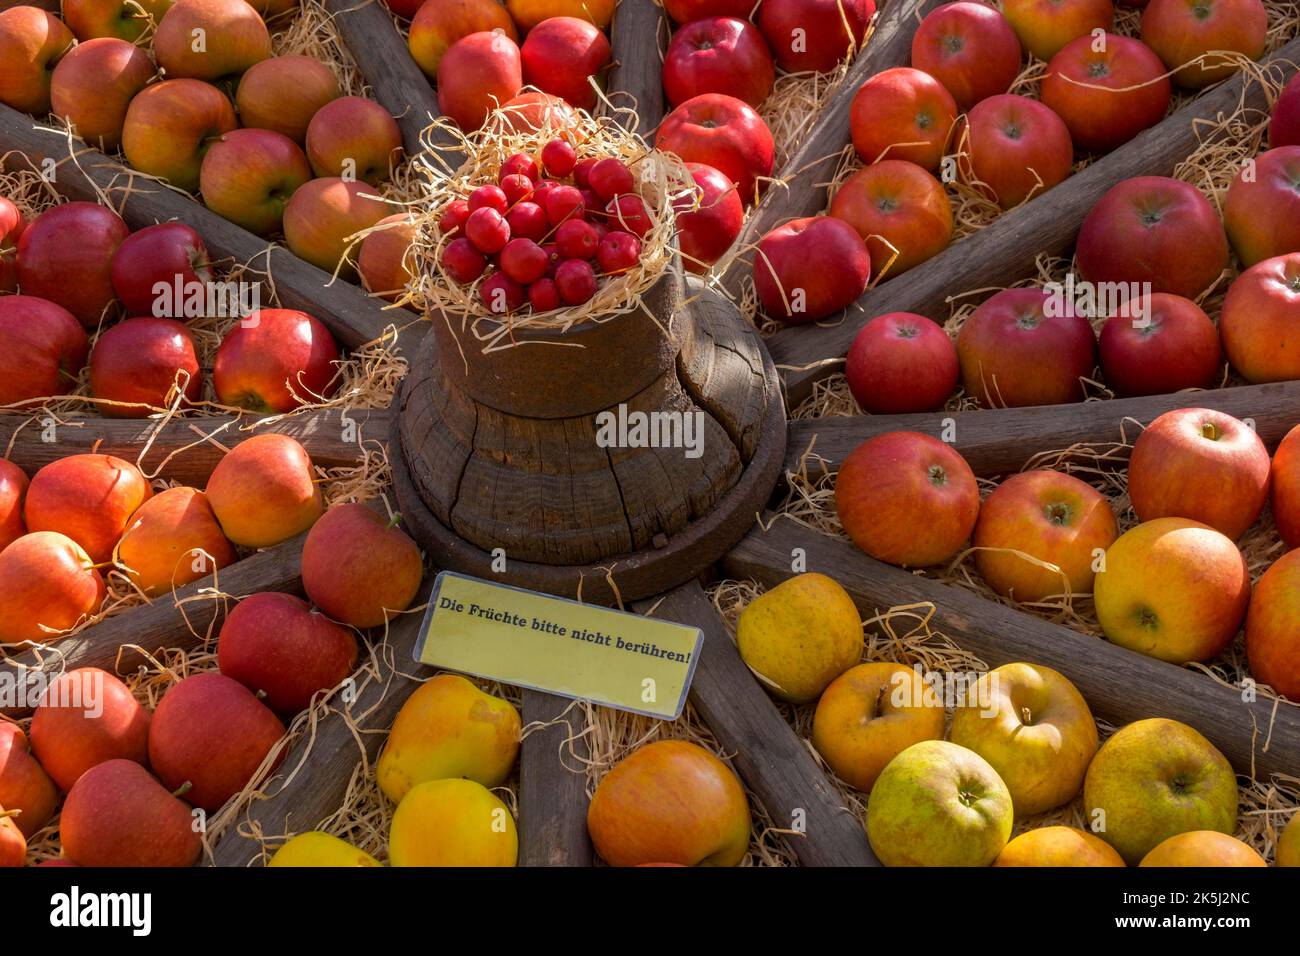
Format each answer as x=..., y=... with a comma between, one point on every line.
x=93, y=84
x=170, y=125
x=1173, y=589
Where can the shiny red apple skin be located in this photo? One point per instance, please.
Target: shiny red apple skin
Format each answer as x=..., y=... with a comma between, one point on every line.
x=901, y=362
x=809, y=269
x=707, y=229
x=717, y=55
x=138, y=362
x=722, y=132
x=66, y=256
x=168, y=253
x=968, y=47
x=1159, y=344
x=270, y=351
x=43, y=349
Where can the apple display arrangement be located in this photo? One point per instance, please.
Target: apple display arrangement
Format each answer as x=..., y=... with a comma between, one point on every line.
x=1004, y=588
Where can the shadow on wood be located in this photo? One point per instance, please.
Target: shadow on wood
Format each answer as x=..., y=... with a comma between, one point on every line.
x=552, y=795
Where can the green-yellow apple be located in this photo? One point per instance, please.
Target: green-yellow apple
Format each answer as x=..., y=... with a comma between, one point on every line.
x=283, y=93
x=355, y=138
x=213, y=40
x=1203, y=848
x=670, y=802
x=1042, y=516
x=869, y=715
x=1174, y=589
x=1058, y=846
x=1288, y=844
x=93, y=85
x=31, y=43
x=323, y=218
x=170, y=125
x=1154, y=779
x=800, y=636
x=449, y=728
x=123, y=19
x=1201, y=464
x=1272, y=631
x=248, y=175
x=1034, y=728
x=316, y=848
x=939, y=804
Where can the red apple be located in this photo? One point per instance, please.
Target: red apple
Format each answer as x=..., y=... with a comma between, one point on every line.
x=355, y=138
x=283, y=93
x=123, y=19
x=968, y=47
x=901, y=362
x=169, y=254
x=436, y=26
x=404, y=8
x=248, y=175
x=561, y=54
x=685, y=11
x=904, y=114
x=1284, y=124
x=12, y=224
x=119, y=815
x=1200, y=464
x=1285, y=479
x=1257, y=323
x=1159, y=344
x=535, y=110
x=717, y=55
x=812, y=34
x=211, y=732
x=170, y=125
x=722, y=132
x=89, y=497
x=1107, y=90
x=385, y=262
x=1262, y=208
x=275, y=644
x=1180, y=31
x=360, y=567
x=899, y=209
x=477, y=74
x=93, y=84
x=31, y=43
x=142, y=363
x=1018, y=148
x=1157, y=230
x=264, y=491
x=24, y=785
x=50, y=586
x=274, y=361
x=43, y=349
x=907, y=499
x=13, y=486
x=710, y=222
x=66, y=256
x=233, y=35
x=1272, y=637
x=86, y=717
x=809, y=269
x=1025, y=347
x=323, y=218
x=1046, y=26
x=173, y=538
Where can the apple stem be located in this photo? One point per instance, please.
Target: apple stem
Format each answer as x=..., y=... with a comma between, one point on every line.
x=1025, y=716
x=10, y=814
x=183, y=789
x=392, y=522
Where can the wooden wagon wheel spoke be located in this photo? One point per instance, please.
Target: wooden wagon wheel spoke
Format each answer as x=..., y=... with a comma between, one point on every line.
x=994, y=256
x=1257, y=737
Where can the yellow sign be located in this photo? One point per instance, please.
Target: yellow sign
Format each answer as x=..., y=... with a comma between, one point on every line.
x=557, y=646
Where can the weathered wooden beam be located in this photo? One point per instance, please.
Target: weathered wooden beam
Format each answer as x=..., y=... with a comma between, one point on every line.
x=1004, y=252
x=552, y=795
x=1003, y=440
x=187, y=449
x=385, y=61
x=354, y=317
x=637, y=71
x=1121, y=686
x=773, y=761
x=323, y=761
x=176, y=621
x=802, y=185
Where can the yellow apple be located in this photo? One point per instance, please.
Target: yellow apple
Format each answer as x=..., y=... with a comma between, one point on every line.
x=938, y=804
x=869, y=715
x=452, y=823
x=1174, y=589
x=1202, y=848
x=316, y=848
x=1035, y=729
x=1154, y=779
x=1058, y=846
x=800, y=636
x=449, y=728
x=1288, y=844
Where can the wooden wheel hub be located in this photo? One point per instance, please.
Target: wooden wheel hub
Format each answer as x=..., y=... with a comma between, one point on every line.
x=545, y=499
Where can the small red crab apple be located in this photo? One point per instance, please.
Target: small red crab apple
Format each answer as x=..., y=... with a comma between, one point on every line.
x=524, y=261
x=576, y=281
x=454, y=216
x=901, y=362
x=462, y=262
x=559, y=158
x=563, y=202
x=577, y=239
x=527, y=220
x=543, y=295
x=628, y=213
x=610, y=177
x=618, y=252
x=517, y=188
x=520, y=164
x=489, y=197
x=488, y=230
x=810, y=268
x=501, y=294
